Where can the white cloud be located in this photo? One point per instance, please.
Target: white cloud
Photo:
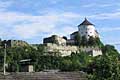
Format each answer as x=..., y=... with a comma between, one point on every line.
x=112, y=15
x=100, y=5
x=11, y=17
x=65, y=31
x=28, y=26
x=117, y=9
x=88, y=5
x=46, y=23
x=109, y=29
x=32, y=29
x=4, y=5
x=54, y=1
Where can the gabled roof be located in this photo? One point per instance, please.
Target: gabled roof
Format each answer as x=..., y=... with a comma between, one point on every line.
x=85, y=22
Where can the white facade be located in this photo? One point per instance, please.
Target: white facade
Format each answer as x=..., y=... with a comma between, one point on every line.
x=87, y=29
x=96, y=52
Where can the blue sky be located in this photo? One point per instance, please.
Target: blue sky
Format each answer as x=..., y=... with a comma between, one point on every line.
x=32, y=20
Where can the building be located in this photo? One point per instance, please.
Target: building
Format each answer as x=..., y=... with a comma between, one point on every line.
x=72, y=36
x=14, y=43
x=26, y=65
x=55, y=39
x=70, y=42
x=87, y=29
x=56, y=45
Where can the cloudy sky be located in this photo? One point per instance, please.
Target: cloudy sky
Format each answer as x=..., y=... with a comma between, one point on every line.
x=32, y=20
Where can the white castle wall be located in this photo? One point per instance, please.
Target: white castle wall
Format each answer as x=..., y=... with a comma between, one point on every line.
x=87, y=30
x=93, y=51
x=96, y=52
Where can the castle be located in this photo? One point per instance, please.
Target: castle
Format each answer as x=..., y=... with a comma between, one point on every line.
x=61, y=46
x=56, y=45
x=87, y=29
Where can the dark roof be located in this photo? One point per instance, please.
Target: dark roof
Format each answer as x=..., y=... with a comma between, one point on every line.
x=86, y=22
x=76, y=32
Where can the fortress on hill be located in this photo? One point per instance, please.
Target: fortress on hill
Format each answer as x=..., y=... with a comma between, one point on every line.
x=61, y=46
x=56, y=45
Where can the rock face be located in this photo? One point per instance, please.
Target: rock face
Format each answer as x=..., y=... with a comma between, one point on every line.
x=45, y=76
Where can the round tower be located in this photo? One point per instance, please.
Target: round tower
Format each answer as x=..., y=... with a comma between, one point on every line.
x=87, y=29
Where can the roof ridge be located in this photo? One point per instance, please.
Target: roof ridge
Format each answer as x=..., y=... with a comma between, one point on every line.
x=86, y=22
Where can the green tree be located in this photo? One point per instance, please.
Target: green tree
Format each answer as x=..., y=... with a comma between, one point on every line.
x=84, y=41
x=110, y=50
x=105, y=68
x=91, y=41
x=98, y=42
x=77, y=39
x=66, y=65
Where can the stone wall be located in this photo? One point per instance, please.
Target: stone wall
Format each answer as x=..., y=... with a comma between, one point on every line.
x=93, y=51
x=59, y=49
x=55, y=39
x=54, y=49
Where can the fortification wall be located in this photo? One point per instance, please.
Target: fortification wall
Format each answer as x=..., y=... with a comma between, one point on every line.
x=62, y=50
x=54, y=49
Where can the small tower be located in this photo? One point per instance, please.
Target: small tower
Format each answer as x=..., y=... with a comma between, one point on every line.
x=87, y=29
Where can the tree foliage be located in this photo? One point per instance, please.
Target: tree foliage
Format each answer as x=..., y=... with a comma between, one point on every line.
x=110, y=50
x=91, y=41
x=105, y=68
x=77, y=39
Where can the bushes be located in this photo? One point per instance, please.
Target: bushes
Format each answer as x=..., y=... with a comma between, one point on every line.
x=83, y=41
x=105, y=68
x=41, y=61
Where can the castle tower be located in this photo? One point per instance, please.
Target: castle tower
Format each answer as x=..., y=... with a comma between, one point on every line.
x=87, y=29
